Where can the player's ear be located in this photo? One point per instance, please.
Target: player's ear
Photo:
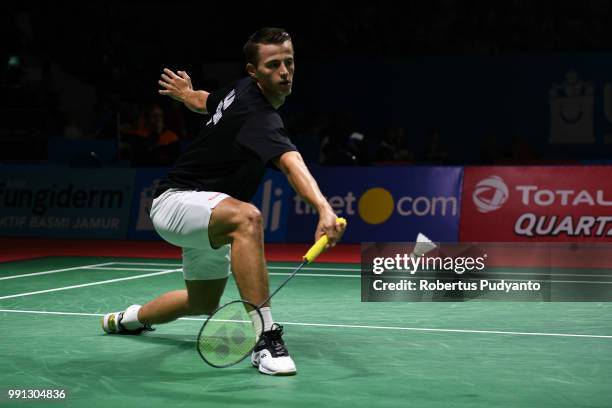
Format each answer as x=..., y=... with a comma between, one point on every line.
x=250, y=68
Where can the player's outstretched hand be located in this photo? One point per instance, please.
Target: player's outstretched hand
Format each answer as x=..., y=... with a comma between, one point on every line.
x=177, y=86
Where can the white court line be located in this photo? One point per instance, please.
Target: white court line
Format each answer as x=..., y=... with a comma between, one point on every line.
x=391, y=277
x=55, y=271
x=50, y=313
x=323, y=275
x=108, y=268
x=355, y=326
x=316, y=269
x=359, y=270
x=147, y=263
x=90, y=284
x=326, y=275
x=329, y=275
x=269, y=267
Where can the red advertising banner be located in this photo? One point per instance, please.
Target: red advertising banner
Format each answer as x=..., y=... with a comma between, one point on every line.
x=540, y=203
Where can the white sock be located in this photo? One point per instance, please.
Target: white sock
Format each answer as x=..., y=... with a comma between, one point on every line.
x=266, y=313
x=130, y=318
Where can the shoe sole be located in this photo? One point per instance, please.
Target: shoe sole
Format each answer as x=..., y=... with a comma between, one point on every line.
x=262, y=370
x=278, y=373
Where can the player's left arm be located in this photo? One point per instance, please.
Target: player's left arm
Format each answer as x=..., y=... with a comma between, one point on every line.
x=293, y=166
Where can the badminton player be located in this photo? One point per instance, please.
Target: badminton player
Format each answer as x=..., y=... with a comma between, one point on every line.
x=203, y=204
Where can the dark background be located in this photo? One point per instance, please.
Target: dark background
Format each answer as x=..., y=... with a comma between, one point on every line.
x=85, y=71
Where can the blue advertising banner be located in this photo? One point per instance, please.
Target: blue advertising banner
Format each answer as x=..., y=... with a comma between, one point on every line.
x=384, y=204
x=381, y=204
x=65, y=203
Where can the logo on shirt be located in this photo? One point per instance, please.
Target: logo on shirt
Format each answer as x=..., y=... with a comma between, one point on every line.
x=223, y=105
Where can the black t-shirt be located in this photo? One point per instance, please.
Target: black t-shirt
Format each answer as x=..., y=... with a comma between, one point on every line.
x=231, y=152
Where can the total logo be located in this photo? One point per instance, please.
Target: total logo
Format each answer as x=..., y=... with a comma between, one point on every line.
x=376, y=205
x=490, y=194
x=542, y=212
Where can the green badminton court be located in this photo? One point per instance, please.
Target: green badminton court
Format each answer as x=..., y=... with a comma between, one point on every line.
x=348, y=353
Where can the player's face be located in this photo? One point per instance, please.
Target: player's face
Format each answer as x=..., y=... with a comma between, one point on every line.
x=274, y=70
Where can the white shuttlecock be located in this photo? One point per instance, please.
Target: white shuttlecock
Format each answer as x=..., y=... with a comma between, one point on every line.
x=423, y=245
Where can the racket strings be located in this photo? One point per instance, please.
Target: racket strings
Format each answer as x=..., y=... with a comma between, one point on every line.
x=228, y=336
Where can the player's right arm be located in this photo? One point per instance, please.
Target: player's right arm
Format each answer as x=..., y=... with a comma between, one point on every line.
x=178, y=87
x=298, y=175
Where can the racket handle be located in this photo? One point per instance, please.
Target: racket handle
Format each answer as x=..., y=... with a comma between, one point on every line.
x=320, y=245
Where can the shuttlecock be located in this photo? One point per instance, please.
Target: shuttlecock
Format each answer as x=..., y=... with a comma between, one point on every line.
x=423, y=245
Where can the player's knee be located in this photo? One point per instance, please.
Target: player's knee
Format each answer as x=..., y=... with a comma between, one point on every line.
x=250, y=218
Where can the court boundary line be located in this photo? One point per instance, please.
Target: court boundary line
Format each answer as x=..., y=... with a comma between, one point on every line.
x=353, y=326
x=110, y=268
x=306, y=268
x=100, y=267
x=38, y=292
x=54, y=271
x=324, y=275
x=150, y=263
x=359, y=270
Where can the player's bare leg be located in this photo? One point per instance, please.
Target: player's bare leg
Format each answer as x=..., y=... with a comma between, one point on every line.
x=240, y=224
x=200, y=298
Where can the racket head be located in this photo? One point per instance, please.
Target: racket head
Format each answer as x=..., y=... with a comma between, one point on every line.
x=228, y=335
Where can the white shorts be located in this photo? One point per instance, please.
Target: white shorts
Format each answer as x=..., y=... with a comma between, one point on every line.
x=181, y=217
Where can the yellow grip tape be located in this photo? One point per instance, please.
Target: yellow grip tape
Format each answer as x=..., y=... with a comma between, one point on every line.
x=320, y=245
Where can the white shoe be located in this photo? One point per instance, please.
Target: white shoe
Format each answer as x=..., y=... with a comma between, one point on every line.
x=111, y=324
x=270, y=355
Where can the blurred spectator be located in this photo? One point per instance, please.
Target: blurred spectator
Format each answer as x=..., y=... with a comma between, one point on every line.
x=305, y=132
x=149, y=141
x=105, y=126
x=110, y=56
x=72, y=131
x=490, y=150
x=519, y=150
x=522, y=151
x=394, y=147
x=435, y=151
x=342, y=144
x=174, y=119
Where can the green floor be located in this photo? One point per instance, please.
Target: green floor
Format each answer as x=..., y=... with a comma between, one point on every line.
x=348, y=353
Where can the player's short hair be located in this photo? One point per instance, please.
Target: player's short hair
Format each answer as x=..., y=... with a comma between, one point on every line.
x=267, y=35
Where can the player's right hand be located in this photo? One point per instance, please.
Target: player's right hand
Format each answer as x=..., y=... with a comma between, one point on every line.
x=329, y=226
x=175, y=85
